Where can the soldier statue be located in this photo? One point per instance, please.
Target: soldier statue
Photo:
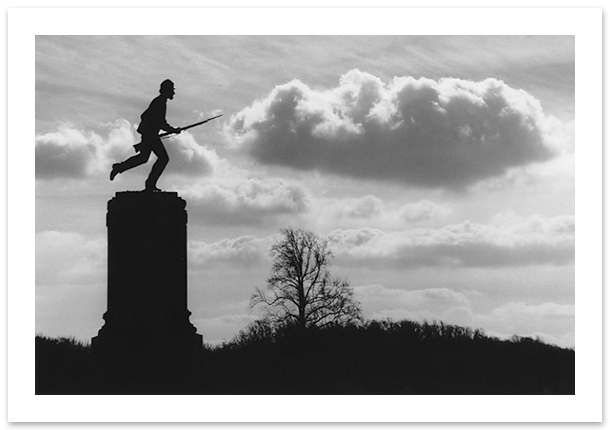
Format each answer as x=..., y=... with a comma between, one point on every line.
x=152, y=120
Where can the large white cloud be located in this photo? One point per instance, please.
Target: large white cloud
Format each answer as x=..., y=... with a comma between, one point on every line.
x=535, y=241
x=449, y=133
x=70, y=152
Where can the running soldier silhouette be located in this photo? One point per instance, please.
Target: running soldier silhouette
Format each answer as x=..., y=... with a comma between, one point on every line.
x=152, y=120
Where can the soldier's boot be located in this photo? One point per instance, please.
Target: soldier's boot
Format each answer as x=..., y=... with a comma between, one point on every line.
x=116, y=169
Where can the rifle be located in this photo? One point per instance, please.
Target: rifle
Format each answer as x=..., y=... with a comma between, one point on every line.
x=164, y=135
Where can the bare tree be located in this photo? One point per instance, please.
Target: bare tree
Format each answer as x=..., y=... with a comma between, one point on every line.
x=300, y=289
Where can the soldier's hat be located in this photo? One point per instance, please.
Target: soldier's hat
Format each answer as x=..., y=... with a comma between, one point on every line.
x=166, y=85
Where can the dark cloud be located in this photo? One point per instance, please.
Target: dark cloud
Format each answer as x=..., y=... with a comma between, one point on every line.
x=449, y=133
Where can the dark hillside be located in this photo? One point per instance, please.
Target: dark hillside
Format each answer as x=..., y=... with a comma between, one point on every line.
x=379, y=357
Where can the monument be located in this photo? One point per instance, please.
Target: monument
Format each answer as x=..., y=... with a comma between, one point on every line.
x=147, y=320
x=147, y=337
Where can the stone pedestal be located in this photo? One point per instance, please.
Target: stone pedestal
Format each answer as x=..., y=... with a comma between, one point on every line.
x=147, y=320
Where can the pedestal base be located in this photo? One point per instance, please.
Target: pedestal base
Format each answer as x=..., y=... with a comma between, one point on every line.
x=131, y=338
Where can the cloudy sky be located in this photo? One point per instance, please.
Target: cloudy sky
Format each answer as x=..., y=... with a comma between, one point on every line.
x=440, y=169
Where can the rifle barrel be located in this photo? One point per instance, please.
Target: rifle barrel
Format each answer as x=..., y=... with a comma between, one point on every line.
x=192, y=125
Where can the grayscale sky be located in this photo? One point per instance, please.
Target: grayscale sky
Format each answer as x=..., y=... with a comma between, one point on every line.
x=440, y=169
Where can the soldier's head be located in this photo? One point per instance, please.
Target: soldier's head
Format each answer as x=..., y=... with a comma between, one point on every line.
x=167, y=89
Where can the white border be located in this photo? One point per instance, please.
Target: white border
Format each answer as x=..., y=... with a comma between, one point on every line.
x=24, y=406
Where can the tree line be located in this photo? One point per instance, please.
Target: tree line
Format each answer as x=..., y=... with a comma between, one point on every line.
x=372, y=357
